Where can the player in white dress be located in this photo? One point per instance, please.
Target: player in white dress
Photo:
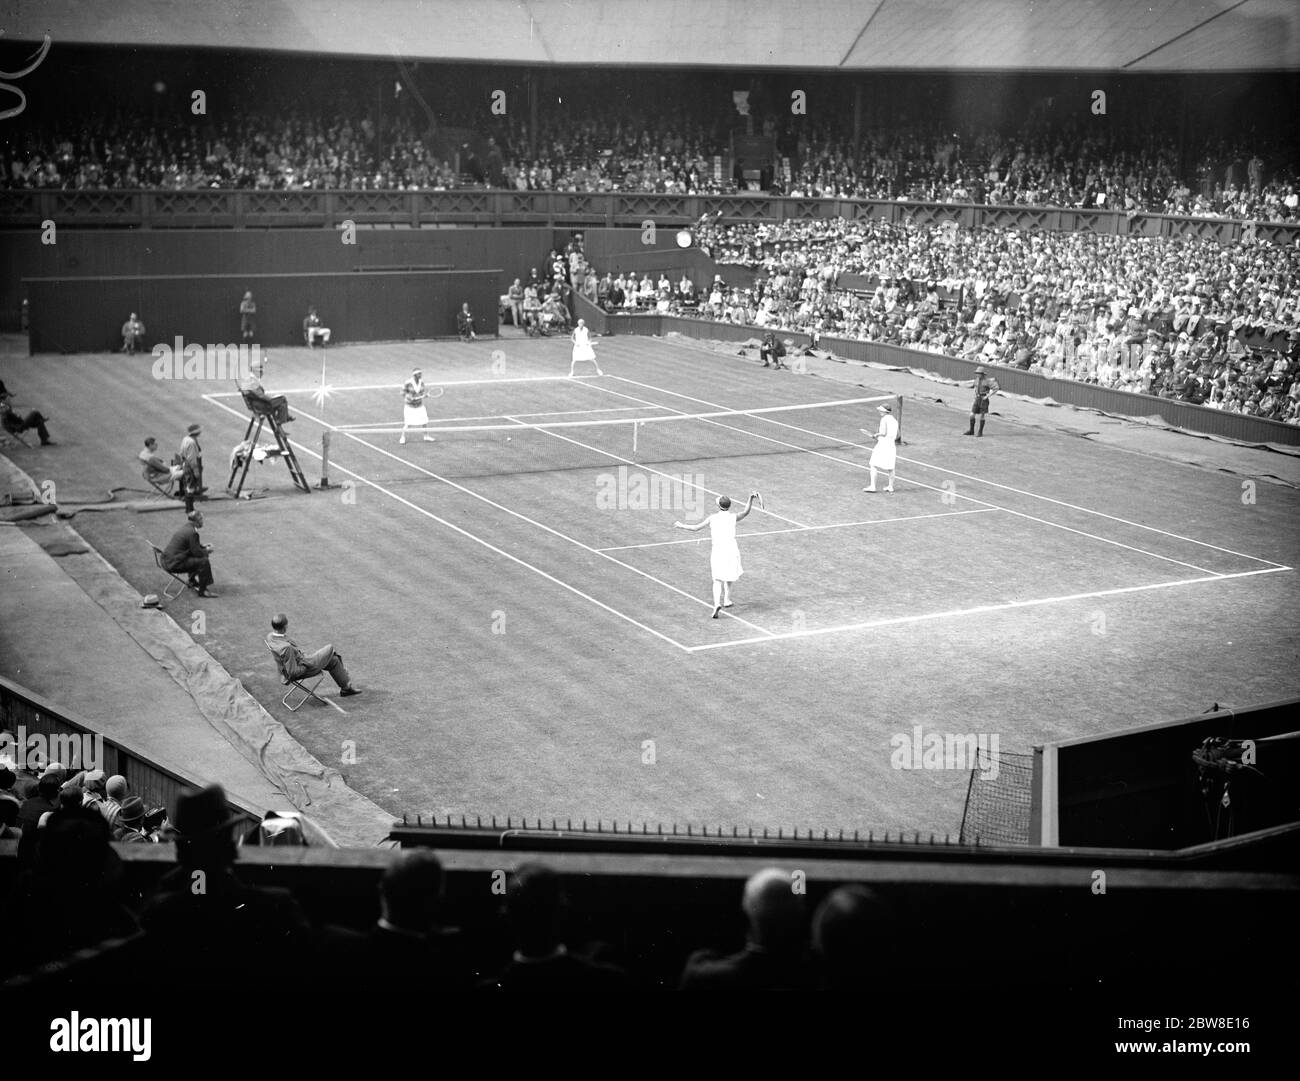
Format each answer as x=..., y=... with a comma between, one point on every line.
x=582, y=349
x=414, y=415
x=724, y=561
x=885, y=455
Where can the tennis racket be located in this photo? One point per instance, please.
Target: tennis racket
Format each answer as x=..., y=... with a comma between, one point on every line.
x=434, y=392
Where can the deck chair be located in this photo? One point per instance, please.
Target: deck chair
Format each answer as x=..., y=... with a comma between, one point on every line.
x=176, y=580
x=296, y=685
x=163, y=485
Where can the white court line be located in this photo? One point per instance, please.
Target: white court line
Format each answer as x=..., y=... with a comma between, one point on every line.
x=657, y=472
x=809, y=528
x=499, y=416
x=398, y=386
x=983, y=609
x=1018, y=491
x=523, y=518
x=466, y=533
x=919, y=484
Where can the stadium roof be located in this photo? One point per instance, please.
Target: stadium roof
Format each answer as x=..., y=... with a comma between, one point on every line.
x=1155, y=36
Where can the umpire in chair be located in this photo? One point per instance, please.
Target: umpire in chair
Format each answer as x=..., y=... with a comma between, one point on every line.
x=256, y=397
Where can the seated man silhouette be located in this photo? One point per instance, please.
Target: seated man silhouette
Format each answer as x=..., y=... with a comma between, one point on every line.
x=312, y=331
x=16, y=423
x=132, y=334
x=256, y=396
x=298, y=665
x=186, y=554
x=155, y=469
x=771, y=349
x=465, y=324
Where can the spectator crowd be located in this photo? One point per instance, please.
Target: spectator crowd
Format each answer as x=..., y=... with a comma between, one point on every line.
x=71, y=898
x=1178, y=317
x=612, y=143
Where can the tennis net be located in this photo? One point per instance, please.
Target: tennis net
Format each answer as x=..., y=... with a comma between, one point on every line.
x=659, y=436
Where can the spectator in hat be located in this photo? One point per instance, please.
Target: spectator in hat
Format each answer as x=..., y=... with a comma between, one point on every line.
x=984, y=388
x=115, y=791
x=191, y=458
x=15, y=423
x=227, y=933
x=771, y=349
x=773, y=957
x=132, y=334
x=542, y=962
x=186, y=554
x=129, y=828
x=298, y=665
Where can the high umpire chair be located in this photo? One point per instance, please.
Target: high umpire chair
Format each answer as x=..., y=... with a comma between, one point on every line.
x=260, y=416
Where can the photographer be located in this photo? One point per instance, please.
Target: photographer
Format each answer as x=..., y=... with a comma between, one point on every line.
x=771, y=349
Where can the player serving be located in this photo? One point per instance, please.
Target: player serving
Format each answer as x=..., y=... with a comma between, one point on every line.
x=724, y=561
x=885, y=455
x=414, y=415
x=582, y=349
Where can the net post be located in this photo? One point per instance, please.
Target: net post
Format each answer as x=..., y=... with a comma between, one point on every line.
x=636, y=427
x=325, y=460
x=898, y=412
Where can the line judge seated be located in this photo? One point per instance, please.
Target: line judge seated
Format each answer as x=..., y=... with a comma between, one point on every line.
x=186, y=554
x=313, y=331
x=255, y=394
x=298, y=665
x=159, y=472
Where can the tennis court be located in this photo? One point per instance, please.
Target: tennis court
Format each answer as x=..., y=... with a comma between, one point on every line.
x=526, y=621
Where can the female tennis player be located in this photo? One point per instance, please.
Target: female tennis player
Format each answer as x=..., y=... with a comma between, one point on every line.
x=724, y=561
x=885, y=455
x=414, y=415
x=582, y=349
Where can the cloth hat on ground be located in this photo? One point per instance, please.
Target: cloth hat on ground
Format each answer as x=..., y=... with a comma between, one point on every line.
x=151, y=600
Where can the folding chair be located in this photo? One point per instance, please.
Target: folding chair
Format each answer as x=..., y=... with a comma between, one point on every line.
x=296, y=685
x=176, y=580
x=164, y=485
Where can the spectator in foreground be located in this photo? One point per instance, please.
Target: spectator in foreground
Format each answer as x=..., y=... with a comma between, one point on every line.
x=409, y=947
x=535, y=906
x=774, y=957
x=851, y=934
x=203, y=925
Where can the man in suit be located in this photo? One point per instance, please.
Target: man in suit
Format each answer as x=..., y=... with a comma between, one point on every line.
x=408, y=947
x=258, y=399
x=465, y=324
x=771, y=349
x=228, y=933
x=15, y=423
x=191, y=456
x=298, y=665
x=774, y=955
x=186, y=554
x=535, y=904
x=159, y=471
x=132, y=334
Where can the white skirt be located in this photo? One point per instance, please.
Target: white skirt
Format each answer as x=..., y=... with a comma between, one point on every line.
x=884, y=456
x=414, y=414
x=724, y=563
x=584, y=351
